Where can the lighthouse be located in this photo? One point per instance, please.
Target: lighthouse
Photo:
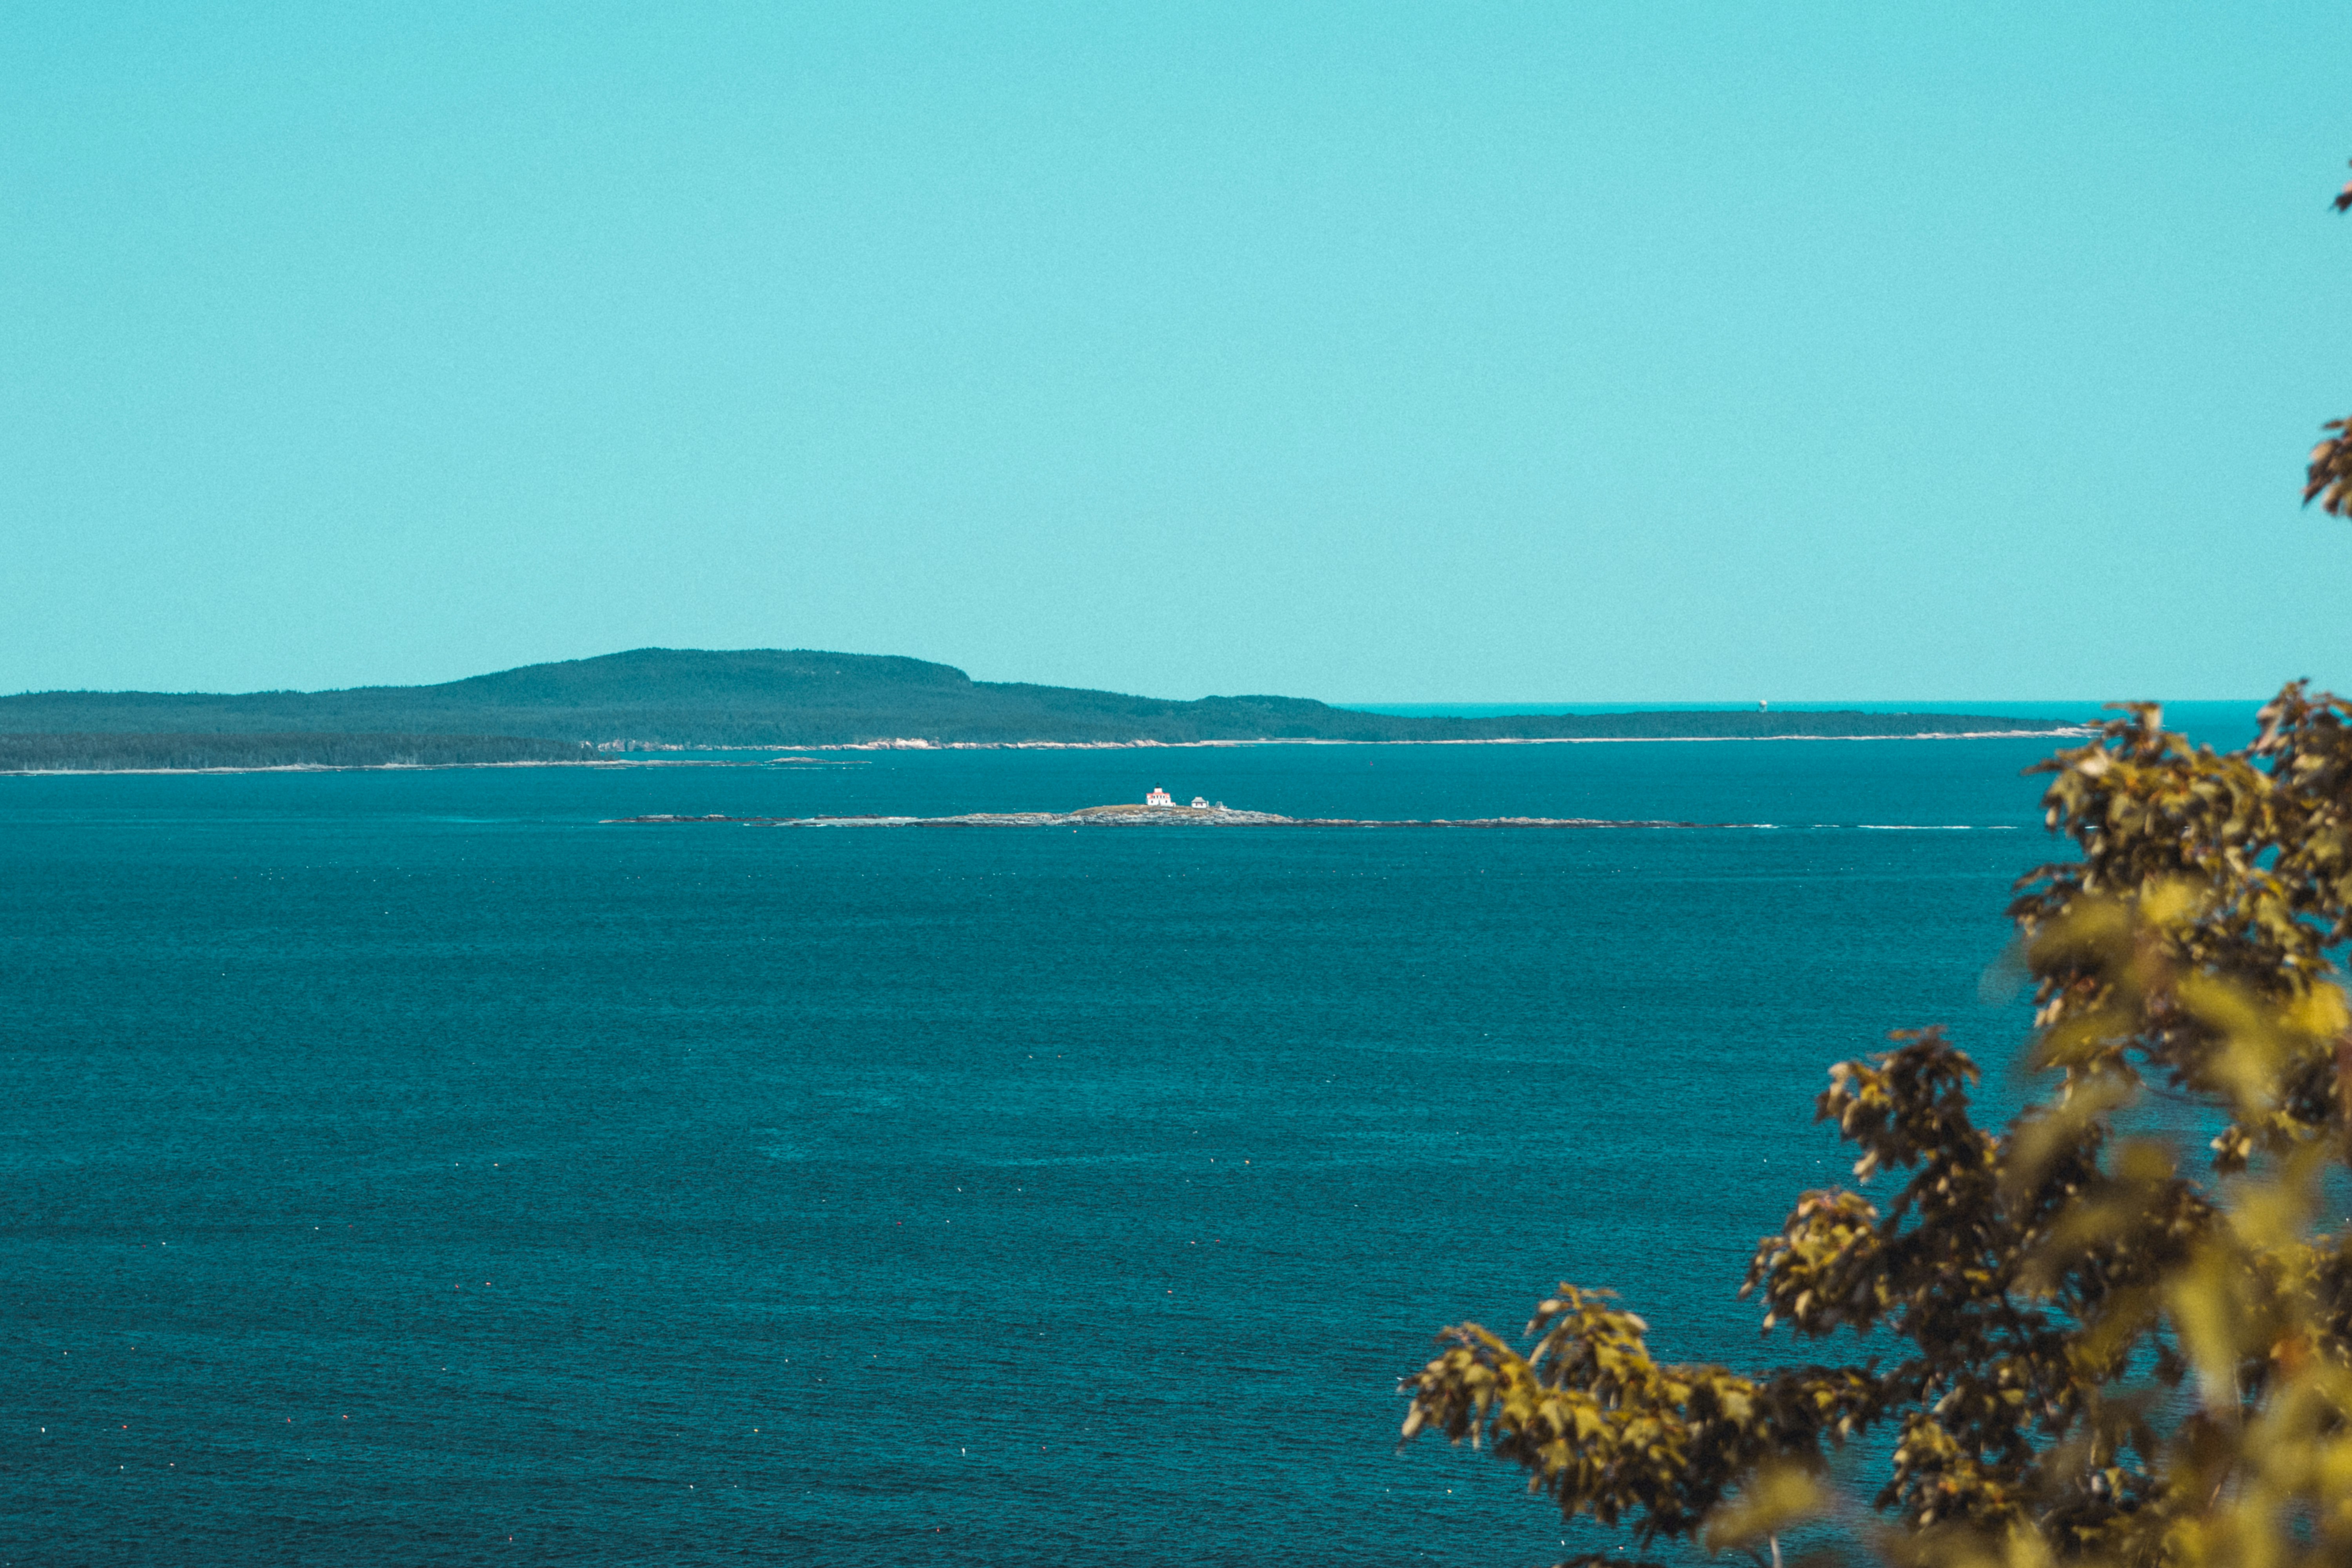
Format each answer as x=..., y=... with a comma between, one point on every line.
x=1159, y=797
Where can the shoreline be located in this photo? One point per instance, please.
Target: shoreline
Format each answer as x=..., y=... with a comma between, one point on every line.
x=377, y=767
x=1149, y=817
x=632, y=760
x=2067, y=732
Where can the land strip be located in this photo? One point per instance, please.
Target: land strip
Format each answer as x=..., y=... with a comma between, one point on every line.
x=1145, y=817
x=672, y=698
x=106, y=752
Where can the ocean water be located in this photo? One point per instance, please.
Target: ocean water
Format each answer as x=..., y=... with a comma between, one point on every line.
x=410, y=1167
x=2203, y=719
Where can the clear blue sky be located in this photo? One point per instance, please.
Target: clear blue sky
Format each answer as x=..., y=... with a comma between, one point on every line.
x=1380, y=353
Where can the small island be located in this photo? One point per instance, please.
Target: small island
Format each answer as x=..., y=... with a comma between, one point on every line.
x=1158, y=810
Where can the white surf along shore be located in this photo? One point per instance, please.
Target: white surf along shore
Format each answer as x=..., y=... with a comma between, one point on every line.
x=660, y=754
x=635, y=754
x=2069, y=731
x=1146, y=816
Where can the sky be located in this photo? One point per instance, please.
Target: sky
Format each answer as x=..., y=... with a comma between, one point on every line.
x=1382, y=354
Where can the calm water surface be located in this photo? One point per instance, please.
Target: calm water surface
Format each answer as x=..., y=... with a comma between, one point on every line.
x=409, y=1168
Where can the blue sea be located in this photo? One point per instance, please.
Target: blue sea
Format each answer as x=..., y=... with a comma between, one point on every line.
x=414, y=1167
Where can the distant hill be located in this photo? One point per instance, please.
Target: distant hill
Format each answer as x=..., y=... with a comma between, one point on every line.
x=766, y=697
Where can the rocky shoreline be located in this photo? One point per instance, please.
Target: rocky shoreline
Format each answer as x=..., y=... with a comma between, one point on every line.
x=1145, y=817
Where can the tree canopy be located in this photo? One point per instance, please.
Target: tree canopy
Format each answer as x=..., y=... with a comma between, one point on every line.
x=2328, y=479
x=2098, y=1344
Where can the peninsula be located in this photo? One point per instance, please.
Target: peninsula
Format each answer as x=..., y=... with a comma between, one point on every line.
x=672, y=698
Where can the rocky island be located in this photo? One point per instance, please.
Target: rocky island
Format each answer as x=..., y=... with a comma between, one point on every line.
x=1147, y=816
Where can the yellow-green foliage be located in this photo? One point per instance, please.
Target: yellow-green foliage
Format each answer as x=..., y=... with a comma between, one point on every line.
x=2043, y=1289
x=2101, y=1348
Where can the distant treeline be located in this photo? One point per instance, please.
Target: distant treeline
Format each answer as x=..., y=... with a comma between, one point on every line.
x=104, y=754
x=767, y=697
